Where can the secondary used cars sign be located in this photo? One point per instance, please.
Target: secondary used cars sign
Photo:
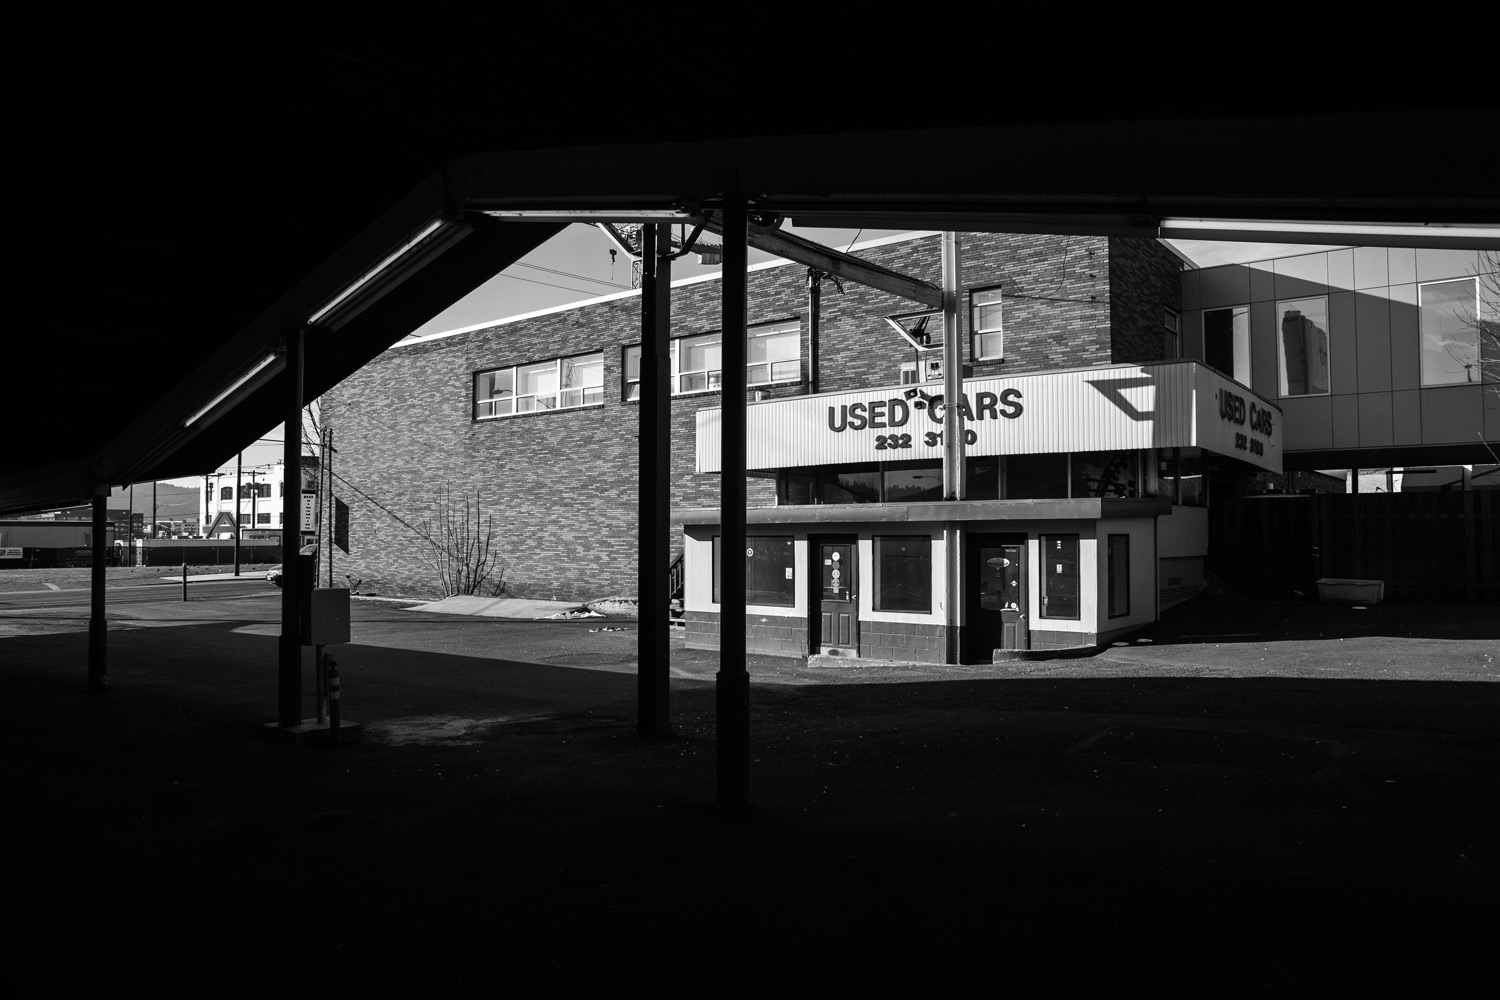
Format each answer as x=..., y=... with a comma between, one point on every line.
x=1113, y=408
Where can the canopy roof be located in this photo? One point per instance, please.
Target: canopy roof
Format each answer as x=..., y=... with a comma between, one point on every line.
x=175, y=222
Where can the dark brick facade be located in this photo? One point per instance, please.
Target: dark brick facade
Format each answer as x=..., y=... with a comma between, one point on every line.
x=559, y=487
x=1144, y=279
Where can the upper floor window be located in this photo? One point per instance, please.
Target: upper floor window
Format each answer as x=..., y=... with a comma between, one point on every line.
x=1226, y=341
x=226, y=493
x=984, y=308
x=1302, y=344
x=561, y=383
x=773, y=353
x=1450, y=332
x=1171, y=320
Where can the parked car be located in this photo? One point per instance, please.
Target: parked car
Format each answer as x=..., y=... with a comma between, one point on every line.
x=273, y=575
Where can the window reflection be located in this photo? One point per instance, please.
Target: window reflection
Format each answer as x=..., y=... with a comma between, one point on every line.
x=1304, y=346
x=1450, y=332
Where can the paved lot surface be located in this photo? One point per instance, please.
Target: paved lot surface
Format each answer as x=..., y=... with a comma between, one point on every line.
x=1268, y=797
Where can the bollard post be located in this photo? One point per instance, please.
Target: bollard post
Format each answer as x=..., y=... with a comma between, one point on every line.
x=184, y=581
x=333, y=699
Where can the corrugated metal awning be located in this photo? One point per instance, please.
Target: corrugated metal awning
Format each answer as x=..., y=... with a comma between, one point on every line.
x=1112, y=408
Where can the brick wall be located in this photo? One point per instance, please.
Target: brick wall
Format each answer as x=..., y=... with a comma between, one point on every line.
x=1144, y=279
x=559, y=488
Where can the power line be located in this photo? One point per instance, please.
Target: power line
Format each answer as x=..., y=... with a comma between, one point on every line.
x=566, y=288
x=569, y=274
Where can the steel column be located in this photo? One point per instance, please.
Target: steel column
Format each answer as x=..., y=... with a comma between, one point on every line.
x=289, y=651
x=955, y=427
x=97, y=626
x=653, y=677
x=732, y=684
x=239, y=492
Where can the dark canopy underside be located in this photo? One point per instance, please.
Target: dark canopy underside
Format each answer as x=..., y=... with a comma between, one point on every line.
x=185, y=198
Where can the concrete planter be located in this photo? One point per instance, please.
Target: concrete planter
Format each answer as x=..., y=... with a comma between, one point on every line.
x=1333, y=591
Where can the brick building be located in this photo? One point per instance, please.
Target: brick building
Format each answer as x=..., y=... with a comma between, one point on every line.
x=1108, y=392
x=455, y=421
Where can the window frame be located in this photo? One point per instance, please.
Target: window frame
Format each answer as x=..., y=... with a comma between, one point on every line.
x=877, y=544
x=1475, y=325
x=1283, y=383
x=1117, y=574
x=713, y=377
x=757, y=543
x=978, y=333
x=1046, y=578
x=1239, y=322
x=1171, y=321
x=226, y=493
x=588, y=395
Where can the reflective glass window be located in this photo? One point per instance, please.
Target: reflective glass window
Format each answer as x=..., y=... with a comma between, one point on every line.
x=1302, y=342
x=1450, y=332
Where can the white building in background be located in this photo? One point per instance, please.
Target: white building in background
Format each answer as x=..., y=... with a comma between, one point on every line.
x=258, y=504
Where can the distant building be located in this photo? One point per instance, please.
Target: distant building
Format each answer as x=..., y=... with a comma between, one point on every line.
x=257, y=504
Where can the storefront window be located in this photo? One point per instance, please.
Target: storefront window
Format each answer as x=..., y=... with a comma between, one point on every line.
x=983, y=478
x=1450, y=332
x=1119, y=575
x=851, y=486
x=903, y=573
x=1102, y=474
x=1186, y=465
x=769, y=576
x=1036, y=477
x=913, y=482
x=1303, y=345
x=1060, y=576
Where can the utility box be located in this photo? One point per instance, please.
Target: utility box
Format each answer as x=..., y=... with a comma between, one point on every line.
x=327, y=621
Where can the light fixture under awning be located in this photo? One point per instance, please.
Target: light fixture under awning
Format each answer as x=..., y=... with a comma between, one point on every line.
x=256, y=376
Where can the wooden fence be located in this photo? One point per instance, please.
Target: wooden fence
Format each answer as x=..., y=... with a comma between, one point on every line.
x=1425, y=546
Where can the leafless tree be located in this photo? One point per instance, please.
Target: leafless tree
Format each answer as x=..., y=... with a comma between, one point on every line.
x=461, y=548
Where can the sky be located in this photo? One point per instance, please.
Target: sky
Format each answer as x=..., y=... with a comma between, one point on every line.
x=576, y=265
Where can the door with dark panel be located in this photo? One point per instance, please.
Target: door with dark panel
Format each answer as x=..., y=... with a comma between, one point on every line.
x=997, y=596
x=837, y=576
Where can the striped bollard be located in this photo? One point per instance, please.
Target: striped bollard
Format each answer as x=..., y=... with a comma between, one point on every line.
x=333, y=698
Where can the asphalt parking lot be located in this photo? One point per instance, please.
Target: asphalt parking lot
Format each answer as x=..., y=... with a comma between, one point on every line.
x=1258, y=795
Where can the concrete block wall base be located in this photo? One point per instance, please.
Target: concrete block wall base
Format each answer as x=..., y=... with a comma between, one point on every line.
x=311, y=732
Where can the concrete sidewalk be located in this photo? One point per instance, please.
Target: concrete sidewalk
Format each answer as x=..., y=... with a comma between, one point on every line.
x=1158, y=820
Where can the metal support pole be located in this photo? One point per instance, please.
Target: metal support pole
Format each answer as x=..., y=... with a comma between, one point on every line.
x=184, y=582
x=653, y=675
x=955, y=430
x=328, y=465
x=289, y=650
x=97, y=626
x=732, y=684
x=130, y=526
x=955, y=409
x=239, y=491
